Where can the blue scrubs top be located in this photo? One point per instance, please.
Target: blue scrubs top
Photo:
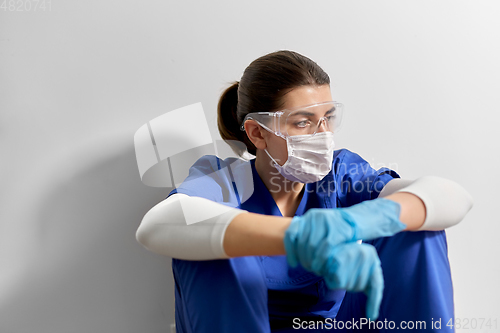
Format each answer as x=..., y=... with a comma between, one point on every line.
x=291, y=291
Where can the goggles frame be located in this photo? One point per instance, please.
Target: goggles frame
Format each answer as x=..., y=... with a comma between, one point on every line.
x=276, y=115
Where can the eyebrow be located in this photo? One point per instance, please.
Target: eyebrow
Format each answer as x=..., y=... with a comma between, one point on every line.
x=332, y=110
x=307, y=113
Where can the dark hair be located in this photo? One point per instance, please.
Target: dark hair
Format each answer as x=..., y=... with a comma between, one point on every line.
x=262, y=87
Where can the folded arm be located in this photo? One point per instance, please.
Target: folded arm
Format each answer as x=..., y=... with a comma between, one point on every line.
x=220, y=232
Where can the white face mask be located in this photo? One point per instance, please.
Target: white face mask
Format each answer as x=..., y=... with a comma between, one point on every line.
x=309, y=157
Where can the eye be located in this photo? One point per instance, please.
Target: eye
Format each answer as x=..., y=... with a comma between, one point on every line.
x=302, y=123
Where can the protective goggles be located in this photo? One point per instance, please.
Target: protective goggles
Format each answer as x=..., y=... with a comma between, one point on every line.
x=303, y=120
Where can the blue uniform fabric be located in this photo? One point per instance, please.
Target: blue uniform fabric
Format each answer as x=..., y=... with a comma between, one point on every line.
x=264, y=294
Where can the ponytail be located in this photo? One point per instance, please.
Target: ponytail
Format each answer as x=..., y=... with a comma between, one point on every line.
x=228, y=123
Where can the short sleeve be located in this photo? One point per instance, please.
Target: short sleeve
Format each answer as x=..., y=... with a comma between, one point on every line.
x=356, y=180
x=213, y=178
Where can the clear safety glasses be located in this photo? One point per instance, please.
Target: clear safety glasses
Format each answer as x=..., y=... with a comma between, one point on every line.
x=303, y=120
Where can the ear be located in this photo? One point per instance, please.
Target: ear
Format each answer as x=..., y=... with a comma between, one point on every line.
x=256, y=134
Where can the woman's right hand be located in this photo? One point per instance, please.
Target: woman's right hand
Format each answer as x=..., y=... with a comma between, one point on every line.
x=323, y=241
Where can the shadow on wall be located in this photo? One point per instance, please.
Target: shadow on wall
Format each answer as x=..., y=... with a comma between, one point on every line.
x=89, y=274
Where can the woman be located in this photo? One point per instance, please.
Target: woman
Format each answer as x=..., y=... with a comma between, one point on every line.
x=276, y=244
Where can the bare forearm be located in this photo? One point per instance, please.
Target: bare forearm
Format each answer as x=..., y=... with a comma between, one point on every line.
x=252, y=234
x=412, y=209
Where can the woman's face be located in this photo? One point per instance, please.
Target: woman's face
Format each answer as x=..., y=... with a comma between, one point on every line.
x=297, y=97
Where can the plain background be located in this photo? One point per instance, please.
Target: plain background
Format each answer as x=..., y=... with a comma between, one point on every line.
x=419, y=81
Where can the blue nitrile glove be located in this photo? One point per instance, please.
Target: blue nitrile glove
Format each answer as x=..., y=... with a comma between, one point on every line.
x=366, y=220
x=309, y=238
x=355, y=267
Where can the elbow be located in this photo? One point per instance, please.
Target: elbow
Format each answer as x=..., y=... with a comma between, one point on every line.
x=155, y=231
x=162, y=227
x=142, y=235
x=470, y=200
x=145, y=231
x=459, y=201
x=159, y=232
x=467, y=202
x=447, y=203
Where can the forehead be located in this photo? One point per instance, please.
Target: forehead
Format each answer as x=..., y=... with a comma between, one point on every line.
x=306, y=95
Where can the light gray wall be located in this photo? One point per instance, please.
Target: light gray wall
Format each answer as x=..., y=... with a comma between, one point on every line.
x=419, y=80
